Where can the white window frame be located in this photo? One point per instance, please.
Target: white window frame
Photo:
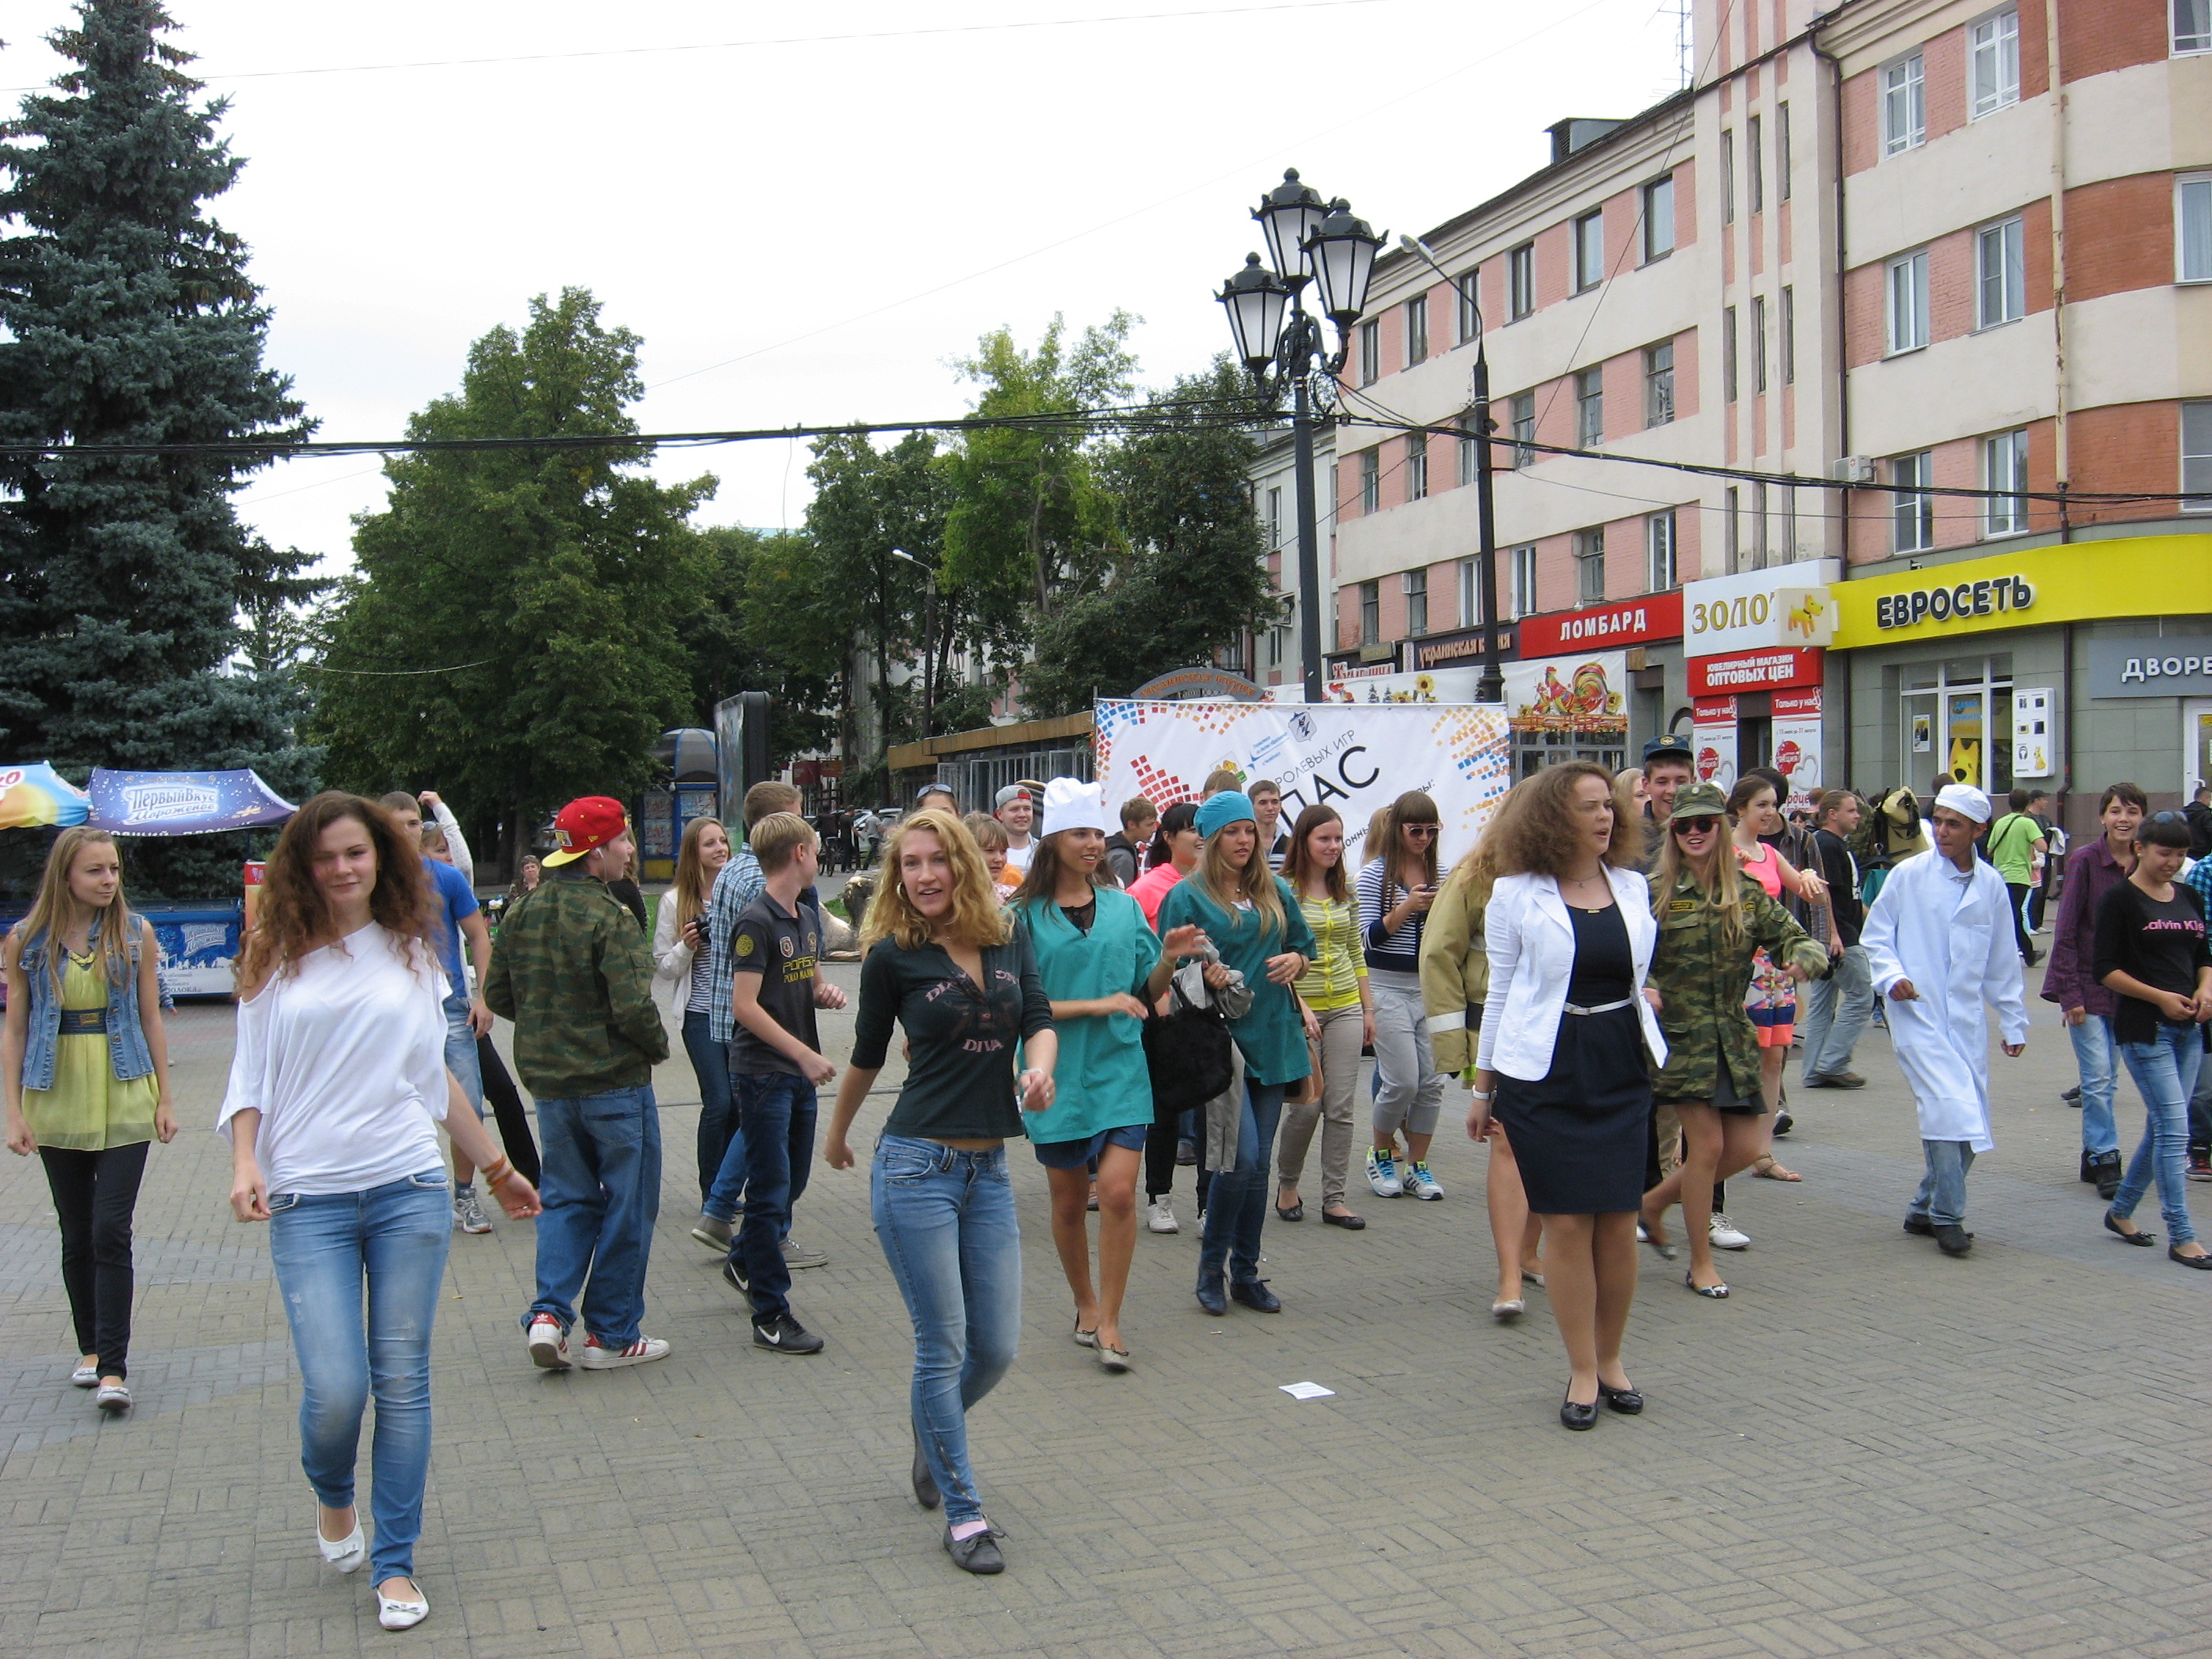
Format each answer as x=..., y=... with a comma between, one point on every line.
x=2004, y=466
x=1904, y=92
x=1905, y=303
x=2196, y=419
x=1370, y=481
x=1589, y=402
x=1754, y=165
x=2193, y=226
x=1912, y=518
x=1371, y=351
x=1728, y=355
x=1521, y=282
x=1727, y=177
x=2192, y=31
x=1782, y=147
x=1658, y=218
x=1470, y=593
x=1522, y=424
x=1465, y=293
x=1663, y=569
x=1417, y=595
x=1992, y=64
x=1659, y=384
x=1370, y=613
x=1274, y=517
x=1417, y=330
x=1786, y=336
x=1590, y=250
x=1589, y=566
x=1758, y=344
x=1417, y=466
x=1524, y=580
x=2001, y=273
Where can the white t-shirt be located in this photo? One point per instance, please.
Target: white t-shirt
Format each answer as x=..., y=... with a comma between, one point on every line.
x=345, y=1060
x=1017, y=858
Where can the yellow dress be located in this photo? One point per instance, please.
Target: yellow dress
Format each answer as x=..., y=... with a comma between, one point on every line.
x=89, y=1110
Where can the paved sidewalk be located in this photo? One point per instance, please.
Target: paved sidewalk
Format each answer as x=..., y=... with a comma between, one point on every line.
x=1870, y=1449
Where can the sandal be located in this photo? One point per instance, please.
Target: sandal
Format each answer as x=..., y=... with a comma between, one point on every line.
x=1767, y=1167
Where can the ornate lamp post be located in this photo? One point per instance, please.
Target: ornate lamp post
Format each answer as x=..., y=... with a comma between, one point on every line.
x=1283, y=346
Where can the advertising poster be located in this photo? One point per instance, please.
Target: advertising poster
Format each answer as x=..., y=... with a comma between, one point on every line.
x=1712, y=736
x=1797, y=746
x=1355, y=757
x=1583, y=693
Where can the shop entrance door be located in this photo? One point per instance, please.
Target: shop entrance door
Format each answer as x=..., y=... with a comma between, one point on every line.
x=1958, y=723
x=2196, y=745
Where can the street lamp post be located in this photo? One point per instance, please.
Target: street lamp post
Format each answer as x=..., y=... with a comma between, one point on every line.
x=1283, y=346
x=928, y=637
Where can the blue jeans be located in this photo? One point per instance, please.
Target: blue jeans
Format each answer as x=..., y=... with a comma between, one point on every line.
x=2165, y=1075
x=946, y=1220
x=710, y=1063
x=1833, y=1013
x=1943, y=1195
x=322, y=1246
x=2098, y=1057
x=726, y=1196
x=602, y=1195
x=775, y=1115
x=461, y=1050
x=1236, y=1208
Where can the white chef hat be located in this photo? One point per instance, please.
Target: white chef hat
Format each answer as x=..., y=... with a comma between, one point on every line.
x=1966, y=800
x=1069, y=805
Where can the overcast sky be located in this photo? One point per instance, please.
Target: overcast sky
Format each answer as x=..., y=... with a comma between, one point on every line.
x=809, y=231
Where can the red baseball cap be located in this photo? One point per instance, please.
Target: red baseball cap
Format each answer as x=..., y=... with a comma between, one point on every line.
x=584, y=825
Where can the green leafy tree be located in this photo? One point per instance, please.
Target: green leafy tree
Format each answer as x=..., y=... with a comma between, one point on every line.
x=127, y=317
x=766, y=623
x=513, y=637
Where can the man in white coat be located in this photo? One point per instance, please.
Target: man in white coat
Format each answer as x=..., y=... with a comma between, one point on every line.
x=1939, y=941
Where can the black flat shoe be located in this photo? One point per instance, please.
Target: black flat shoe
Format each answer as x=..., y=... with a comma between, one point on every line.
x=1626, y=1401
x=1295, y=1212
x=1578, y=1417
x=1254, y=1294
x=2201, y=1263
x=977, y=1554
x=2138, y=1236
x=1210, y=1298
x=1921, y=1225
x=1348, y=1221
x=924, y=1483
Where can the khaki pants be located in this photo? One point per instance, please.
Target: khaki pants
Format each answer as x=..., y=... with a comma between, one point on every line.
x=1339, y=1070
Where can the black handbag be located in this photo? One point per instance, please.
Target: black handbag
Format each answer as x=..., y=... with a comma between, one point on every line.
x=1186, y=1050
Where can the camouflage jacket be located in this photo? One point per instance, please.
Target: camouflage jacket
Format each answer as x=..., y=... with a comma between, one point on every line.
x=573, y=973
x=1701, y=980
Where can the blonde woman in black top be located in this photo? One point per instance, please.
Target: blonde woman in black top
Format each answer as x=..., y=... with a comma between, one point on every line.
x=944, y=961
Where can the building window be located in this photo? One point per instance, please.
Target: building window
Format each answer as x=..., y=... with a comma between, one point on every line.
x=1470, y=318
x=1370, y=613
x=2192, y=26
x=1903, y=105
x=1589, y=566
x=1589, y=251
x=2000, y=273
x=1589, y=408
x=1470, y=452
x=1912, y=514
x=1727, y=177
x=1661, y=569
x=1992, y=64
x=1659, y=217
x=1274, y=515
x=2196, y=458
x=1758, y=344
x=1781, y=152
x=1416, y=466
x=2004, y=467
x=1524, y=578
x=1728, y=354
x=1754, y=163
x=1659, y=384
x=1759, y=521
x=1524, y=427
x=1788, y=337
x=1370, y=480
x=1416, y=602
x=1371, y=352
x=1470, y=593
x=1521, y=280
x=1908, y=302
x=1417, y=330
x=2192, y=225
x=1732, y=530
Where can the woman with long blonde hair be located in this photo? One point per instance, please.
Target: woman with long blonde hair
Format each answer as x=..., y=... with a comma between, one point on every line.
x=85, y=1067
x=338, y=1085
x=682, y=961
x=947, y=963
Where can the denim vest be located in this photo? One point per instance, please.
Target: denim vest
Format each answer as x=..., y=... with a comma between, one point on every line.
x=126, y=1037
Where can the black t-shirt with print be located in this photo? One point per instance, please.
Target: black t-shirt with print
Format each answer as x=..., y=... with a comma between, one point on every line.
x=2163, y=945
x=960, y=1075
x=784, y=950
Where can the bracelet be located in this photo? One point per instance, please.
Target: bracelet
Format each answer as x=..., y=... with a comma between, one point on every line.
x=1478, y=1094
x=495, y=1173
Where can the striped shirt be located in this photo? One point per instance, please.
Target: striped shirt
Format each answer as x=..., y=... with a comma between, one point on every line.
x=1398, y=952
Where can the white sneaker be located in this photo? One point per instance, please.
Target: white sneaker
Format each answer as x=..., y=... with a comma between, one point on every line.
x=645, y=1348
x=1160, y=1216
x=548, y=1345
x=1726, y=1235
x=468, y=1213
x=1419, y=1183
x=1382, y=1175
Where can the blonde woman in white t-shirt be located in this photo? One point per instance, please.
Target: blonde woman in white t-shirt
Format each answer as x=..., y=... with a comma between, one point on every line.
x=337, y=1085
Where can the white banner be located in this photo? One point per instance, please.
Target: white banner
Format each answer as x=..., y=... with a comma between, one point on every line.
x=1712, y=734
x=1797, y=746
x=1760, y=609
x=1353, y=757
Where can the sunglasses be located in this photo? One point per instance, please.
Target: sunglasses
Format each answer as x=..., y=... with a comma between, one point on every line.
x=1696, y=826
x=1421, y=830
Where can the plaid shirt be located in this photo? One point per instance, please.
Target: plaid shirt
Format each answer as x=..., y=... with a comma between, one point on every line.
x=575, y=976
x=740, y=883
x=2199, y=879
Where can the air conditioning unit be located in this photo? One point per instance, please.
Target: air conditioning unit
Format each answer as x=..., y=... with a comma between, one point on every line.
x=1853, y=469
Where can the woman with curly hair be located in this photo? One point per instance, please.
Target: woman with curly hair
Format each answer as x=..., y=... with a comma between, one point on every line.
x=947, y=963
x=337, y=1085
x=1561, y=1062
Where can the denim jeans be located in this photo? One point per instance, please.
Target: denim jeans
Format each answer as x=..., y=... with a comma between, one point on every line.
x=602, y=1195
x=461, y=1050
x=1943, y=1195
x=1833, y=1013
x=775, y=1114
x=710, y=1063
x=946, y=1220
x=726, y=1194
x=2200, y=1112
x=2098, y=1057
x=2166, y=1072
x=1236, y=1208
x=322, y=1245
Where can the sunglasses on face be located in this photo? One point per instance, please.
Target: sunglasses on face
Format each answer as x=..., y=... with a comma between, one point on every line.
x=1696, y=826
x=1424, y=830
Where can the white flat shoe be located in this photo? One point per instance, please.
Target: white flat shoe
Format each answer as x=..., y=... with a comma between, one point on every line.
x=113, y=1397
x=349, y=1553
x=86, y=1377
x=402, y=1613
x=1506, y=1312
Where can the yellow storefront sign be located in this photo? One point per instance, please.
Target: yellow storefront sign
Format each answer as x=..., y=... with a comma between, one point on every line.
x=2078, y=581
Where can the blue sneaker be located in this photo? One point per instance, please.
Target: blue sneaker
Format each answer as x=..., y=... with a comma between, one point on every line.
x=1382, y=1174
x=1419, y=1183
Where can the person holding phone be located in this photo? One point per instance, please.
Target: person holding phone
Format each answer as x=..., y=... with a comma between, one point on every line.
x=682, y=962
x=1395, y=892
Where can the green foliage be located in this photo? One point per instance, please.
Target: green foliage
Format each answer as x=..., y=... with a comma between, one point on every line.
x=766, y=622
x=545, y=588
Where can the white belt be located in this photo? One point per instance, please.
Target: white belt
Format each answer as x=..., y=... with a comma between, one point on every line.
x=1602, y=1008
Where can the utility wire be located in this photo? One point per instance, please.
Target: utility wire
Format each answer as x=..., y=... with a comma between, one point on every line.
x=393, y=673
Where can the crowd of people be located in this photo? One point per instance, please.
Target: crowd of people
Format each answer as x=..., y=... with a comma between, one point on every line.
x=1618, y=969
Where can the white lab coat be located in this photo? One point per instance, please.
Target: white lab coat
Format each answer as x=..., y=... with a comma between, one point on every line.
x=1954, y=940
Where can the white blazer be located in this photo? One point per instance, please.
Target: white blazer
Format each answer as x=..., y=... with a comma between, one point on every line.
x=1531, y=940
x=671, y=957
